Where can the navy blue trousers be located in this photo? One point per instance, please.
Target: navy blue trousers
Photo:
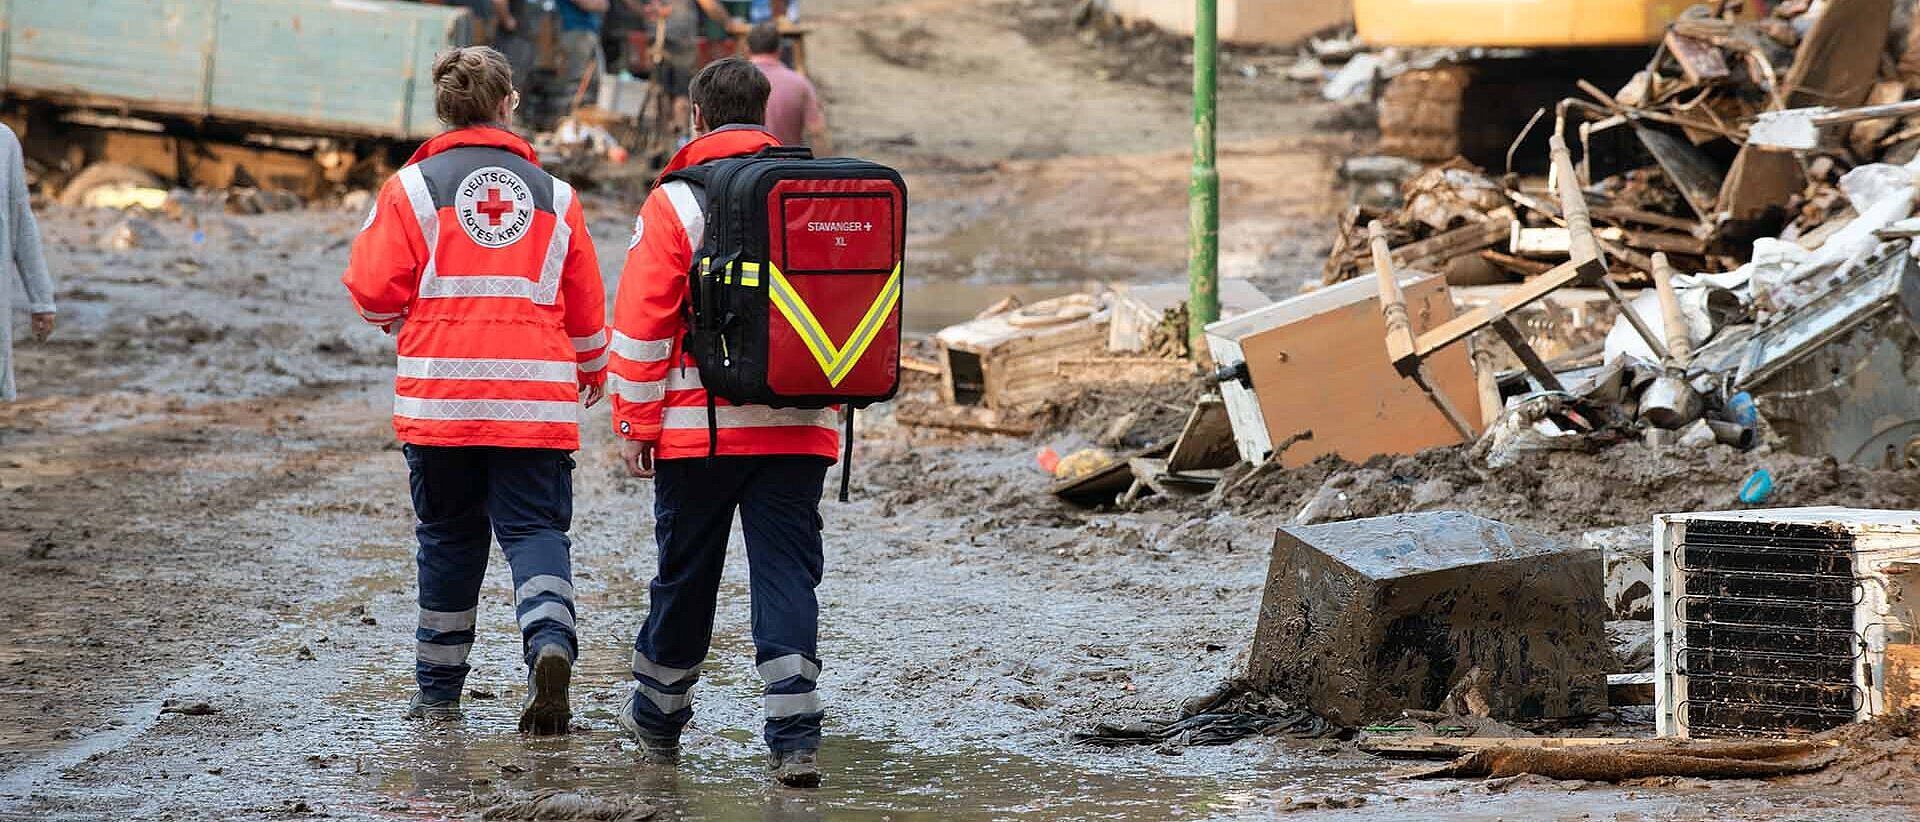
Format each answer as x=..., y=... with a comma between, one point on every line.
x=464, y=497
x=778, y=499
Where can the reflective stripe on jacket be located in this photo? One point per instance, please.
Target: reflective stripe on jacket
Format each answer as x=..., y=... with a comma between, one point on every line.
x=484, y=262
x=654, y=384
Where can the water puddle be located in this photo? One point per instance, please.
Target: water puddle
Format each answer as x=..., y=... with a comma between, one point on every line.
x=431, y=769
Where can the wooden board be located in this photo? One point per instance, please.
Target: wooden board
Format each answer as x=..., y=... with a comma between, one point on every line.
x=1690, y=169
x=1839, y=58
x=1759, y=182
x=1700, y=62
x=1442, y=747
x=1207, y=440
x=1328, y=372
x=1017, y=365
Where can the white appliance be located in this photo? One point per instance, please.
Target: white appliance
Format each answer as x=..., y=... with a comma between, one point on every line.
x=1784, y=622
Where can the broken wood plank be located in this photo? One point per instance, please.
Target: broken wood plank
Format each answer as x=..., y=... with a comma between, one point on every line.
x=1518, y=265
x=1522, y=295
x=1624, y=214
x=1097, y=487
x=1207, y=440
x=1700, y=62
x=1153, y=474
x=1840, y=56
x=923, y=366
x=1665, y=241
x=1444, y=747
x=1696, y=175
x=1425, y=255
x=1760, y=183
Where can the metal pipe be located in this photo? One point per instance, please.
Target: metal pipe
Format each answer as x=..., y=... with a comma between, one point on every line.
x=1203, y=241
x=1732, y=433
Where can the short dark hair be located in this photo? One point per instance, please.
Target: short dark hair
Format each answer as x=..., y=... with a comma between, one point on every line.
x=764, y=39
x=729, y=92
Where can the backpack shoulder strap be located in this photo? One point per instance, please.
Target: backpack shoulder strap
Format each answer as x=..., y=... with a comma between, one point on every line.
x=695, y=175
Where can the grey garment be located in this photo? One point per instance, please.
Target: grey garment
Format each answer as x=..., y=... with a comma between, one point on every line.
x=19, y=246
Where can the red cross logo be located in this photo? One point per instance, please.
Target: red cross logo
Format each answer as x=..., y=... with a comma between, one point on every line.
x=494, y=206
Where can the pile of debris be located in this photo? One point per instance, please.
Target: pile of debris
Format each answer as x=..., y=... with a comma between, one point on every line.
x=1738, y=129
x=1772, y=160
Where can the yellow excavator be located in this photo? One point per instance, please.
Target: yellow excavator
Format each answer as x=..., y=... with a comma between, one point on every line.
x=1481, y=68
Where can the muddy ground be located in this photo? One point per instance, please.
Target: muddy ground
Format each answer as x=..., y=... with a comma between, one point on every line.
x=203, y=515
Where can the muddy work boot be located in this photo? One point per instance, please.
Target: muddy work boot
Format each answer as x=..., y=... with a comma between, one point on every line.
x=433, y=710
x=546, y=712
x=655, y=749
x=794, y=769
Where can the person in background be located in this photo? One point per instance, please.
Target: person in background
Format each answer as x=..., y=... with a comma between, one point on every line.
x=485, y=17
x=554, y=48
x=623, y=18
x=20, y=245
x=794, y=113
x=578, y=81
x=480, y=264
x=679, y=56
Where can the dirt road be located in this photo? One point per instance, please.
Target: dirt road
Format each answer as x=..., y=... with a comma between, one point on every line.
x=204, y=519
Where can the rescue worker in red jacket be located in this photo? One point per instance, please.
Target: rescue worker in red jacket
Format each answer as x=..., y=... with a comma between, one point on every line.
x=770, y=467
x=480, y=262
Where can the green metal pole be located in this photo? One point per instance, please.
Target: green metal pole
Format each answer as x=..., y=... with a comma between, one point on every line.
x=1203, y=241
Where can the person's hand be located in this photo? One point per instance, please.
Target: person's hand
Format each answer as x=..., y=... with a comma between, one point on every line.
x=42, y=326
x=591, y=395
x=508, y=23
x=638, y=457
x=737, y=26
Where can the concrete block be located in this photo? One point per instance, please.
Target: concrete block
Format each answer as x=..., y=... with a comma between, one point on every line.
x=1435, y=611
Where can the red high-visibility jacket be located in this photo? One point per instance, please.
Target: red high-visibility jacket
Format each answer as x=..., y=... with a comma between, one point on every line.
x=654, y=383
x=483, y=262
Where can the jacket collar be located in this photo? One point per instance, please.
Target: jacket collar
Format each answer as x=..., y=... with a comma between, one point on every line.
x=719, y=144
x=486, y=135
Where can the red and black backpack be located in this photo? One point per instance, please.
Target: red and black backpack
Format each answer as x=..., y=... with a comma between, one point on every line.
x=795, y=295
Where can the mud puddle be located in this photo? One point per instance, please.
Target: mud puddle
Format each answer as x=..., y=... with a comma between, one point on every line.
x=873, y=773
x=723, y=778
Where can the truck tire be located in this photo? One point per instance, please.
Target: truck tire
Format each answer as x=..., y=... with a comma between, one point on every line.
x=106, y=175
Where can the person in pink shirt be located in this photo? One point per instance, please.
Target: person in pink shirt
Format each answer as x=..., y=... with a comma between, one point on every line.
x=794, y=113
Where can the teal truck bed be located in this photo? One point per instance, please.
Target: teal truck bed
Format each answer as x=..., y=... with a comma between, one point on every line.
x=324, y=67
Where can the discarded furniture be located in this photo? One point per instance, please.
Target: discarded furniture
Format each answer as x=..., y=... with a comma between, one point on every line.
x=1150, y=318
x=1009, y=360
x=1784, y=622
x=1197, y=459
x=1837, y=374
x=1313, y=363
x=1409, y=349
x=1431, y=611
